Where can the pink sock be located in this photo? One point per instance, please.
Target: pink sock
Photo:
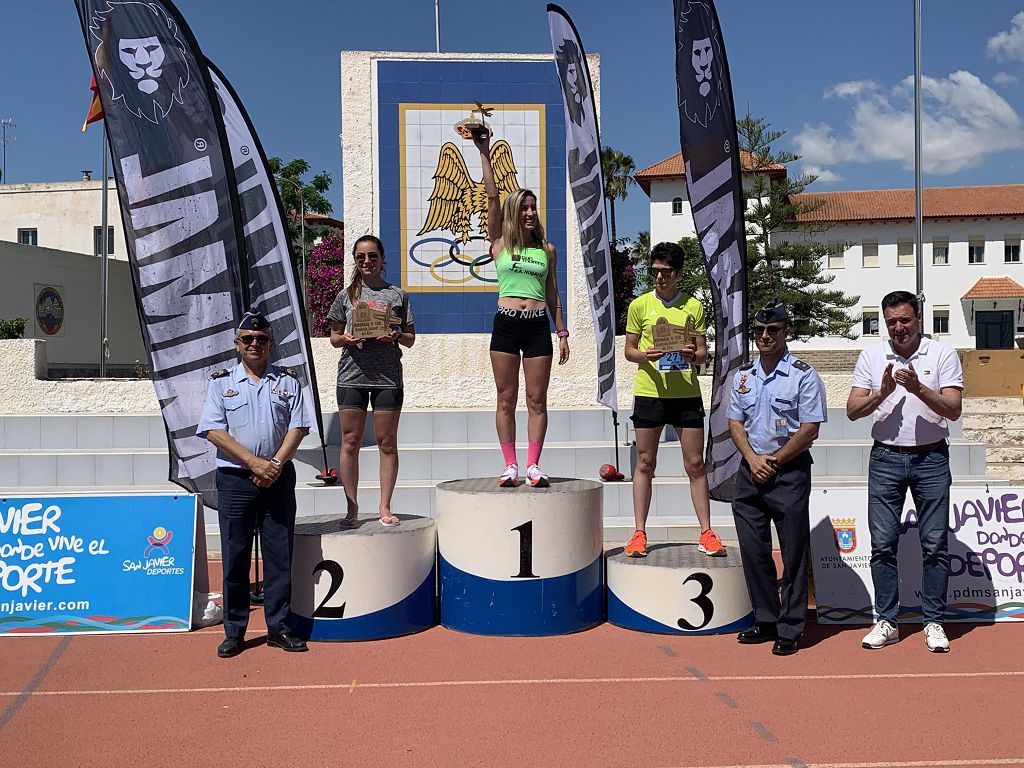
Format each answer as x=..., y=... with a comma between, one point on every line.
x=508, y=450
x=533, y=453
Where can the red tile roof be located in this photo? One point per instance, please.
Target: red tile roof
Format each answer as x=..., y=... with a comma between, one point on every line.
x=898, y=204
x=675, y=168
x=995, y=288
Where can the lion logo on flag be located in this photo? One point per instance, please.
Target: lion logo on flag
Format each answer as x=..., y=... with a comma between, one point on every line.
x=147, y=73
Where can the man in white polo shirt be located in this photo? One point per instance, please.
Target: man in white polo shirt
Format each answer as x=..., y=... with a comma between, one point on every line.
x=912, y=385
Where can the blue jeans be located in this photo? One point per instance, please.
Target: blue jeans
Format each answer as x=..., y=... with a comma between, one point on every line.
x=927, y=476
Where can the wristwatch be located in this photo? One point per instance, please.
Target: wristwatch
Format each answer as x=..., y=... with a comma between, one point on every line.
x=276, y=462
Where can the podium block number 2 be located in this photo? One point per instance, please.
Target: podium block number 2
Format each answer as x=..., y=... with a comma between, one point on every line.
x=525, y=532
x=702, y=600
x=337, y=575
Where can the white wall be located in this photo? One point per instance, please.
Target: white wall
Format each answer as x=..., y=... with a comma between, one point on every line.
x=943, y=284
x=77, y=278
x=666, y=226
x=64, y=214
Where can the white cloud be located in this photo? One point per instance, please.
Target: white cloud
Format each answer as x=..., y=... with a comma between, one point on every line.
x=824, y=175
x=1004, y=78
x=963, y=121
x=1009, y=44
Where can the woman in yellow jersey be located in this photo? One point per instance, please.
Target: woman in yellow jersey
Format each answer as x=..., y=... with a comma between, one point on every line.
x=666, y=391
x=527, y=291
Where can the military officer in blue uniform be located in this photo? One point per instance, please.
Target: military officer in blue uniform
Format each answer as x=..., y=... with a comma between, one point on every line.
x=775, y=407
x=254, y=414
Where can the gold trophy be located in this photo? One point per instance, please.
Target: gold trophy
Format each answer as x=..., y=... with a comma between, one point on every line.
x=471, y=125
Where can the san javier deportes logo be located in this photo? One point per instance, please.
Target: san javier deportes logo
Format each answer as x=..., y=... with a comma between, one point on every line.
x=160, y=565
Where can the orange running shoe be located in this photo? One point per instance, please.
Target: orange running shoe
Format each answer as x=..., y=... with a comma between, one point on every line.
x=710, y=544
x=637, y=546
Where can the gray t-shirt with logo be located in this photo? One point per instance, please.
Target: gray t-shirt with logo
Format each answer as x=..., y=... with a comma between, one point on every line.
x=375, y=363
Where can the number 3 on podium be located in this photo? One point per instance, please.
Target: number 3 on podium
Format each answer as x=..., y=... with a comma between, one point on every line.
x=702, y=600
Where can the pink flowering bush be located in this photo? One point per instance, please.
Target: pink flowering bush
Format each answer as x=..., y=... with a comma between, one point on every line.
x=624, y=284
x=325, y=277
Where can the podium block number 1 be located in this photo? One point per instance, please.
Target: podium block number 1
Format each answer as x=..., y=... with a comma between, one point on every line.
x=337, y=575
x=525, y=551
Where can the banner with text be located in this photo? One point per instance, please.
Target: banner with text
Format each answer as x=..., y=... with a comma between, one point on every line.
x=707, y=137
x=179, y=207
x=274, y=286
x=583, y=159
x=97, y=564
x=986, y=556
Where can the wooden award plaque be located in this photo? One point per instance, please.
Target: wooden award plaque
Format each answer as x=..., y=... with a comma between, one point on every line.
x=473, y=124
x=369, y=323
x=672, y=338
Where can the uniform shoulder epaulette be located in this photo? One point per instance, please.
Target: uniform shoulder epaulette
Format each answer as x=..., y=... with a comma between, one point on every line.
x=800, y=365
x=746, y=367
x=219, y=374
x=291, y=372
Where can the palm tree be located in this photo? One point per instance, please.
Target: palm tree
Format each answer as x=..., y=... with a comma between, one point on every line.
x=618, y=170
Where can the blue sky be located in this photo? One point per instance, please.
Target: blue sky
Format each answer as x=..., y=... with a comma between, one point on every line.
x=833, y=74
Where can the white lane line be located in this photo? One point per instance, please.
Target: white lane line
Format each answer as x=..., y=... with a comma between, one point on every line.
x=534, y=681
x=886, y=764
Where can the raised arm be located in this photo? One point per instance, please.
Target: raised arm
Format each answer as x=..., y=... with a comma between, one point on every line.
x=494, y=218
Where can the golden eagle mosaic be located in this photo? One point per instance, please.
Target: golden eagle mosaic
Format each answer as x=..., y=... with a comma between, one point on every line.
x=456, y=197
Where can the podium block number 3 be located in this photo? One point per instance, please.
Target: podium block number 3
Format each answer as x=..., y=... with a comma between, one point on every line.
x=337, y=575
x=525, y=532
x=702, y=600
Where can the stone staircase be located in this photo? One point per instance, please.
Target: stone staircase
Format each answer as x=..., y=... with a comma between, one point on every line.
x=998, y=423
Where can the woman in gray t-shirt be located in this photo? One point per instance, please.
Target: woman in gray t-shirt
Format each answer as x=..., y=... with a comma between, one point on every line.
x=370, y=372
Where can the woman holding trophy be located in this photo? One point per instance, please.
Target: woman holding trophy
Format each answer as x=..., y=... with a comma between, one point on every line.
x=527, y=292
x=371, y=321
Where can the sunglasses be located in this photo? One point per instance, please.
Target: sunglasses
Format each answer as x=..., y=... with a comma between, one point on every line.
x=662, y=271
x=367, y=257
x=249, y=338
x=771, y=330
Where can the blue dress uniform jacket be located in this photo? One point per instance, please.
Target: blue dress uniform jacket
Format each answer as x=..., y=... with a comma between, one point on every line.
x=771, y=408
x=258, y=415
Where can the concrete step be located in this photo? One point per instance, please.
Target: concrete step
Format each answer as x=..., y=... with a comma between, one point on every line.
x=993, y=420
x=1005, y=454
x=424, y=462
x=996, y=435
x=438, y=427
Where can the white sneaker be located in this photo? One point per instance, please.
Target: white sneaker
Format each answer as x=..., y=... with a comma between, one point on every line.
x=881, y=635
x=935, y=638
x=537, y=478
x=510, y=477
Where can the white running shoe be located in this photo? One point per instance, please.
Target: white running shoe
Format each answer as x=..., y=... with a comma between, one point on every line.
x=537, y=478
x=881, y=635
x=935, y=638
x=510, y=477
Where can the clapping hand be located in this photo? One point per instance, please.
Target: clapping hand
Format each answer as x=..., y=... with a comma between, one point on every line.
x=907, y=378
x=888, y=385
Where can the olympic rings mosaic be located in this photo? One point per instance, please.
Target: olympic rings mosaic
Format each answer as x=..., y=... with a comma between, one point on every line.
x=454, y=257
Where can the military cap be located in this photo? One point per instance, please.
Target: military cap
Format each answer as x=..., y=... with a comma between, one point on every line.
x=773, y=312
x=253, y=320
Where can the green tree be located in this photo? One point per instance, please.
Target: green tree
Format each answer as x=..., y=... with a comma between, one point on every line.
x=790, y=270
x=296, y=194
x=618, y=170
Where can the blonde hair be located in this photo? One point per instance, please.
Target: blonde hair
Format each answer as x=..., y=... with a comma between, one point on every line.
x=512, y=232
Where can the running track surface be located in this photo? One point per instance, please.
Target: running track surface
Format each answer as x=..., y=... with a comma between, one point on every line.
x=607, y=697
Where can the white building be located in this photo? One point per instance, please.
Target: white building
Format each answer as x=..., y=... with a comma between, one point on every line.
x=63, y=215
x=665, y=184
x=972, y=264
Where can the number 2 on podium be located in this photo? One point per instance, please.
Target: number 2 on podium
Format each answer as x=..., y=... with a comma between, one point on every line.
x=337, y=574
x=525, y=551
